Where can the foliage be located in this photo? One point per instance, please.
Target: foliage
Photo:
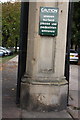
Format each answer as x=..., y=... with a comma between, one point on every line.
x=0, y=25
x=10, y=24
x=76, y=24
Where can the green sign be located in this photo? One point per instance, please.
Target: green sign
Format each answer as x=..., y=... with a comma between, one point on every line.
x=48, y=23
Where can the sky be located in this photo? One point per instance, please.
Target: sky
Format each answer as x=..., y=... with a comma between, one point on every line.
x=37, y=0
x=7, y=0
x=3, y=0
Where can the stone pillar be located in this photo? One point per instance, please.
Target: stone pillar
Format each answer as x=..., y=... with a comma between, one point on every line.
x=44, y=86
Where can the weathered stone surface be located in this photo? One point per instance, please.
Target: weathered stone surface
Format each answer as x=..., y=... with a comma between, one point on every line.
x=35, y=96
x=44, y=86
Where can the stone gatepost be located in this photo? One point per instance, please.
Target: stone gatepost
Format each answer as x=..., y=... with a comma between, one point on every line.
x=44, y=86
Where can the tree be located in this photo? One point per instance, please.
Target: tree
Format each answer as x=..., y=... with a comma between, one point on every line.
x=10, y=24
x=76, y=26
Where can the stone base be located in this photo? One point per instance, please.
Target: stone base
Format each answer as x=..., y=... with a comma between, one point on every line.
x=44, y=96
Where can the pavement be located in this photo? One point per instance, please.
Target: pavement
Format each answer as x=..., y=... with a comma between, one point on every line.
x=74, y=91
x=11, y=110
x=9, y=80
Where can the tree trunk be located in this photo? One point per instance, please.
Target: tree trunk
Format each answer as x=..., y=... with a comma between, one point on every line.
x=71, y=45
x=16, y=46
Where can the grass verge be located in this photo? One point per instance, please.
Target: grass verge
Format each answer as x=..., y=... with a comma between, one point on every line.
x=6, y=58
